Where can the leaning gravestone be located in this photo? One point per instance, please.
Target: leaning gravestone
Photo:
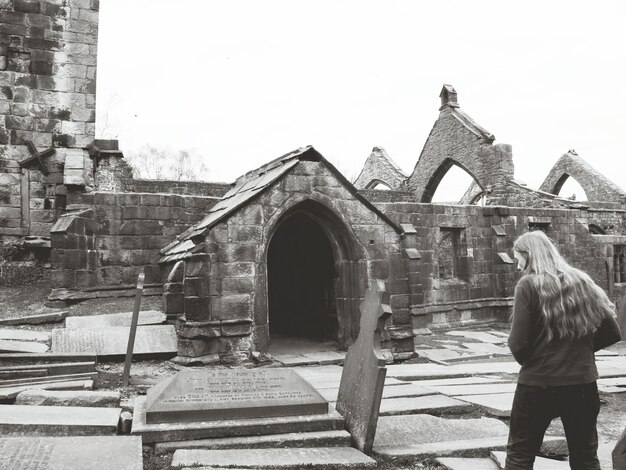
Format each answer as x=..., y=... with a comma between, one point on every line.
x=211, y=395
x=363, y=376
x=55, y=453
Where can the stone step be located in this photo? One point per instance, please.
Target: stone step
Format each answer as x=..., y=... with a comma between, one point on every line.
x=163, y=432
x=24, y=420
x=304, y=439
x=316, y=457
x=84, y=452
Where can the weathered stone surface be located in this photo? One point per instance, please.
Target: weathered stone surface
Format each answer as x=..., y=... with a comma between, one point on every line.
x=363, y=377
x=474, y=389
x=541, y=463
x=163, y=432
x=420, y=429
x=460, y=463
x=52, y=317
x=436, y=371
x=305, y=439
x=345, y=457
x=24, y=420
x=496, y=404
x=14, y=334
x=22, y=346
x=113, y=341
x=69, y=398
x=432, y=404
x=483, y=336
x=96, y=453
x=9, y=393
x=146, y=317
x=205, y=395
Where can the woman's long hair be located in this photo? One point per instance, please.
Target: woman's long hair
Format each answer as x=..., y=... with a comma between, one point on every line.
x=572, y=304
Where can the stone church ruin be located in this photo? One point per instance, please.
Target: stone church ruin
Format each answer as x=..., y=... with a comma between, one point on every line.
x=289, y=248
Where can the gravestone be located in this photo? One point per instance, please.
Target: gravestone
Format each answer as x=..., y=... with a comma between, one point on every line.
x=147, y=317
x=113, y=341
x=93, y=453
x=210, y=395
x=363, y=376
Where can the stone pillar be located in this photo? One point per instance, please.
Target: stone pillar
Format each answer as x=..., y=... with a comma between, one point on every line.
x=112, y=172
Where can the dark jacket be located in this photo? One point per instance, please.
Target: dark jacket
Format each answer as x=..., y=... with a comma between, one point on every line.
x=555, y=362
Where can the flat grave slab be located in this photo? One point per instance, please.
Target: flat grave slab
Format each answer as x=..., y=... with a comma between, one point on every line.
x=488, y=348
x=497, y=404
x=482, y=336
x=72, y=453
x=16, y=334
x=421, y=429
x=541, y=463
x=22, y=346
x=207, y=395
x=290, y=440
x=112, y=341
x=24, y=420
x=459, y=381
x=432, y=404
x=346, y=457
x=164, y=432
x=8, y=393
x=440, y=355
x=36, y=319
x=146, y=317
x=460, y=463
x=98, y=399
x=436, y=371
x=394, y=391
x=474, y=389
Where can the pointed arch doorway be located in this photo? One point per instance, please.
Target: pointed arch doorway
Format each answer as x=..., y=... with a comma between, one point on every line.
x=313, y=277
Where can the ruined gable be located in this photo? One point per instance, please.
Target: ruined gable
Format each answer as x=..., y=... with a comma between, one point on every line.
x=379, y=169
x=597, y=186
x=456, y=139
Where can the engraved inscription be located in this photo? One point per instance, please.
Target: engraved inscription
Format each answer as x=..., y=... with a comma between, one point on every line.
x=31, y=454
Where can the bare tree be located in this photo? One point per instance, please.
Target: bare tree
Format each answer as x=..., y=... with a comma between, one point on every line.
x=157, y=163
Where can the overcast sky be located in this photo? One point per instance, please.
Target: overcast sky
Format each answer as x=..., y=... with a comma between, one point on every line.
x=243, y=82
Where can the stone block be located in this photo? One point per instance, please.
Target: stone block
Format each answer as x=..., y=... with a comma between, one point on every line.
x=196, y=347
x=173, y=304
x=242, y=329
x=197, y=308
x=196, y=286
x=230, y=307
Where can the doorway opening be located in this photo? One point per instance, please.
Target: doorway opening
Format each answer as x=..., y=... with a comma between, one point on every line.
x=302, y=281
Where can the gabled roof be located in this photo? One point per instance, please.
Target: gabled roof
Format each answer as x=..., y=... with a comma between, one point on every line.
x=248, y=187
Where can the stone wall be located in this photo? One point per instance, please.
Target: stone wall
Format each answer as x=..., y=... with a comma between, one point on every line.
x=127, y=230
x=189, y=188
x=486, y=277
x=47, y=96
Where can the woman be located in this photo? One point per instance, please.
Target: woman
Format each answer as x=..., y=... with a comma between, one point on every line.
x=560, y=318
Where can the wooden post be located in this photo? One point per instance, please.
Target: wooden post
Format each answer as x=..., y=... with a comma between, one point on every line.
x=133, y=330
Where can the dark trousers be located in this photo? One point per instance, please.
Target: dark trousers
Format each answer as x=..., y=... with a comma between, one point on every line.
x=533, y=410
